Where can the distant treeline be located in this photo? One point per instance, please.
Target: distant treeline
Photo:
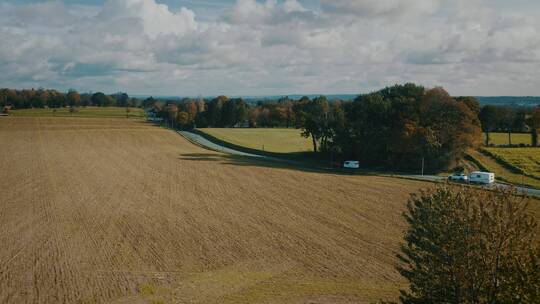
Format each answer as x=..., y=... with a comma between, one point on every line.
x=395, y=127
x=510, y=119
x=527, y=101
x=41, y=98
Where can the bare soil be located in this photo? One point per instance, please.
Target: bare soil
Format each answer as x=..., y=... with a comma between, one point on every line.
x=119, y=211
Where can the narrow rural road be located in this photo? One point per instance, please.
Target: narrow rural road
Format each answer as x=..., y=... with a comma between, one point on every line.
x=434, y=178
x=199, y=140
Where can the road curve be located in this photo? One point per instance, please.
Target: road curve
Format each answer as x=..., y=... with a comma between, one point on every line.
x=201, y=141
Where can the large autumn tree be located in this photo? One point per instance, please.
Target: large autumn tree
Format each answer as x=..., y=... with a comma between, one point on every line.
x=401, y=125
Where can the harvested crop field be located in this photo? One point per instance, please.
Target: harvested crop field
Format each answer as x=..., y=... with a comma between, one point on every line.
x=118, y=211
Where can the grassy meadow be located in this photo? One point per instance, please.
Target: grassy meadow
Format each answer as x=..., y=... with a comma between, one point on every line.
x=95, y=112
x=501, y=139
x=526, y=160
x=274, y=140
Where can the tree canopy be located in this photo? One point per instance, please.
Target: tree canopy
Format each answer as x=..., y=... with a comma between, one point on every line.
x=470, y=246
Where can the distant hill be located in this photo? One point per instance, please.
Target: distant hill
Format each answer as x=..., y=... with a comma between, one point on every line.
x=253, y=99
x=527, y=101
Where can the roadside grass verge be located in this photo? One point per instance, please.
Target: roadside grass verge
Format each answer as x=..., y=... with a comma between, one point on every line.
x=94, y=112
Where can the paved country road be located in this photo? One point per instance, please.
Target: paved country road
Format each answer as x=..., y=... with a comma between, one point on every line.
x=201, y=141
x=434, y=178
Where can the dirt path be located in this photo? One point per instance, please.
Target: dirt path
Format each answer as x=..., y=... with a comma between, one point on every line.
x=111, y=210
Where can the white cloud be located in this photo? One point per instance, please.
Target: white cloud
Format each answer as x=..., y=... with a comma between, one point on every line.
x=271, y=47
x=156, y=18
x=293, y=6
x=378, y=8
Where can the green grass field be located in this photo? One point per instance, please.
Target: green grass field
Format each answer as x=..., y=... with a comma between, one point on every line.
x=270, y=140
x=97, y=112
x=525, y=159
x=500, y=139
x=502, y=173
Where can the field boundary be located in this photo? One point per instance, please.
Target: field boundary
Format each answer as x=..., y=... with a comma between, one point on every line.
x=82, y=112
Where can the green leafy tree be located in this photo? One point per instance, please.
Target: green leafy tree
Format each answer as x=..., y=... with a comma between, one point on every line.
x=534, y=125
x=490, y=118
x=214, y=111
x=470, y=246
x=315, y=120
x=369, y=125
x=507, y=119
x=99, y=99
x=233, y=112
x=122, y=99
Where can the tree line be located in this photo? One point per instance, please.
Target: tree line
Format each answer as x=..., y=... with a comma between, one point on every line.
x=510, y=120
x=44, y=98
x=399, y=126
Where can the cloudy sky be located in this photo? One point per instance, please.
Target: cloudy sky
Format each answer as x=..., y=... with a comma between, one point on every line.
x=248, y=47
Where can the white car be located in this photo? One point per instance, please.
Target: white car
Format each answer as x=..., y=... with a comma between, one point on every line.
x=458, y=177
x=351, y=164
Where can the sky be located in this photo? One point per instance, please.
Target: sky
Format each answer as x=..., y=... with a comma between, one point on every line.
x=271, y=47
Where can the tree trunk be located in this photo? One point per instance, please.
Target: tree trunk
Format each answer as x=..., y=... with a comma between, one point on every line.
x=314, y=143
x=509, y=138
x=534, y=137
x=487, y=138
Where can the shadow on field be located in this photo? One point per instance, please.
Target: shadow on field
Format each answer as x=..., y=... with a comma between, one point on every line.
x=246, y=161
x=202, y=157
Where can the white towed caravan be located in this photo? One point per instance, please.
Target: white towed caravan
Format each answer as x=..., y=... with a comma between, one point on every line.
x=482, y=177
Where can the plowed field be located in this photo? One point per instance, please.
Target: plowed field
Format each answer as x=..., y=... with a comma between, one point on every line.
x=118, y=211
